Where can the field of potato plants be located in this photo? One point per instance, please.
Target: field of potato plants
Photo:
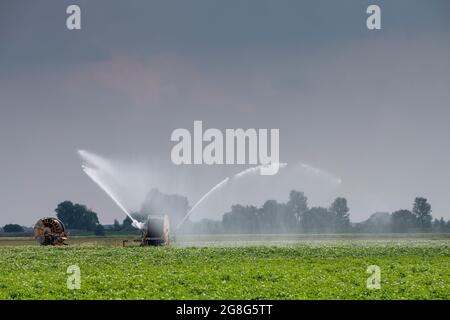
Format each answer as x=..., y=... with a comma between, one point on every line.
x=306, y=269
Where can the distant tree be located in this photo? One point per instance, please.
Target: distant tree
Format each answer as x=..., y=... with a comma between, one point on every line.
x=439, y=225
x=268, y=216
x=116, y=225
x=403, y=221
x=99, y=230
x=65, y=211
x=241, y=219
x=127, y=224
x=442, y=225
x=379, y=222
x=422, y=210
x=340, y=209
x=76, y=216
x=89, y=220
x=435, y=225
x=158, y=203
x=287, y=221
x=13, y=228
x=318, y=220
x=297, y=204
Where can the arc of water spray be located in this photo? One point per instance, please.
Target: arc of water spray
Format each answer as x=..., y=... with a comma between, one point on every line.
x=257, y=169
x=321, y=172
x=91, y=173
x=206, y=195
x=218, y=186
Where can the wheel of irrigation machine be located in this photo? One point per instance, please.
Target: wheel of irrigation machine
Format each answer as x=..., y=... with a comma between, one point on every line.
x=49, y=231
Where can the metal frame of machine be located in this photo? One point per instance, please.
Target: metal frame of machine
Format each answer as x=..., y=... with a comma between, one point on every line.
x=156, y=232
x=50, y=231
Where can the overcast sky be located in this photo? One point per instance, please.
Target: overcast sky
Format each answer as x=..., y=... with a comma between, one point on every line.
x=369, y=107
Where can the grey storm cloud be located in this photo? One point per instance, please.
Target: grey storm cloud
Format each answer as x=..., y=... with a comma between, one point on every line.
x=369, y=107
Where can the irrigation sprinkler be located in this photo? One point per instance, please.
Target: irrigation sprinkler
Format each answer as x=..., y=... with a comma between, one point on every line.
x=156, y=232
x=50, y=231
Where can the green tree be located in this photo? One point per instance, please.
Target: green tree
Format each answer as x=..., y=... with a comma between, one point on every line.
x=65, y=211
x=99, y=230
x=379, y=222
x=297, y=204
x=318, y=220
x=340, y=209
x=422, y=210
x=13, y=228
x=76, y=216
x=127, y=224
x=439, y=225
x=116, y=225
x=89, y=220
x=435, y=225
x=241, y=219
x=442, y=225
x=268, y=216
x=403, y=221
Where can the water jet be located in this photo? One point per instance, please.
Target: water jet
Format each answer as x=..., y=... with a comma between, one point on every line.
x=156, y=232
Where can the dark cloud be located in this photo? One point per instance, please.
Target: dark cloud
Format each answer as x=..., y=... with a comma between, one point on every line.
x=370, y=107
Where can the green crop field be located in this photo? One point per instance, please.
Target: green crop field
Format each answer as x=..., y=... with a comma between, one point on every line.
x=306, y=269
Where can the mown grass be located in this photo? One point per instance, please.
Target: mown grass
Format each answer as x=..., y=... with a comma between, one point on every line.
x=329, y=270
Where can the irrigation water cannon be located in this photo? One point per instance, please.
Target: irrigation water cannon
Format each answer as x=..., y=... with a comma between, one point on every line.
x=50, y=231
x=156, y=232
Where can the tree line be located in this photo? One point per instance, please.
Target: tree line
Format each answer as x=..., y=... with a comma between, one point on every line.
x=78, y=217
x=290, y=217
x=296, y=216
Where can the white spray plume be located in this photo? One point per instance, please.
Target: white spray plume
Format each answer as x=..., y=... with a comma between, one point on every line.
x=221, y=184
x=320, y=172
x=96, y=167
x=256, y=169
x=127, y=185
